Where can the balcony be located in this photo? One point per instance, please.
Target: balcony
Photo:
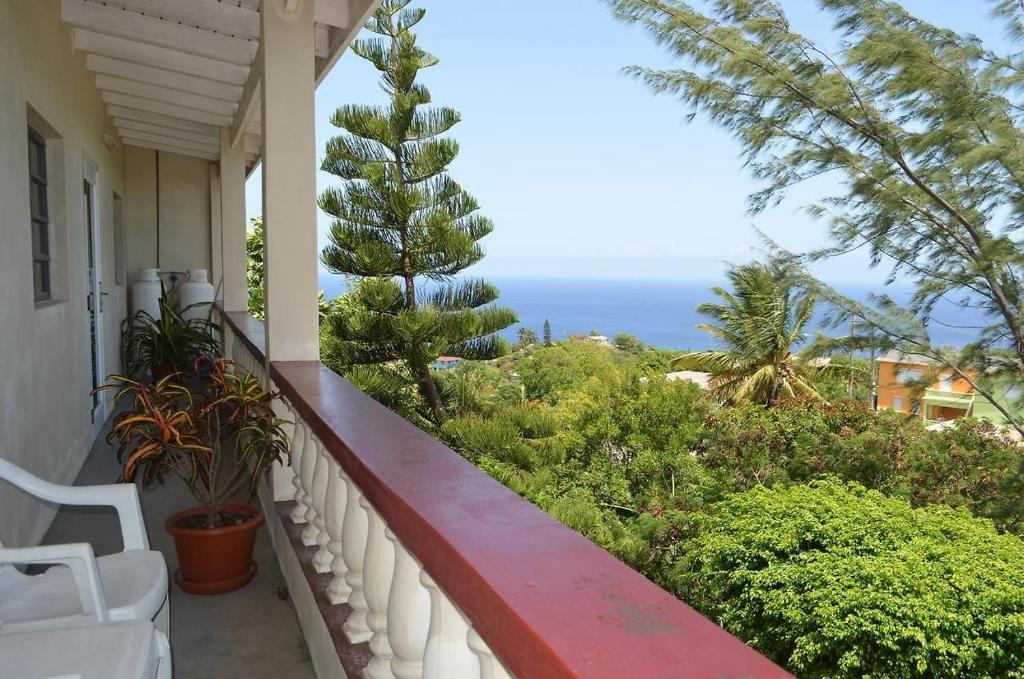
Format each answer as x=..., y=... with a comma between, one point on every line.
x=399, y=557
x=399, y=553
x=941, y=406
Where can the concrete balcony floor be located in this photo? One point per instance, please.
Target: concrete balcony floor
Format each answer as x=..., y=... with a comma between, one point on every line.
x=249, y=633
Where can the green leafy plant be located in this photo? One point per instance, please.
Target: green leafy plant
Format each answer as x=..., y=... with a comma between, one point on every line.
x=172, y=341
x=834, y=580
x=218, y=441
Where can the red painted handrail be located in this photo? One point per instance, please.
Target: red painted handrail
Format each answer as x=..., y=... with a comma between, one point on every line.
x=550, y=603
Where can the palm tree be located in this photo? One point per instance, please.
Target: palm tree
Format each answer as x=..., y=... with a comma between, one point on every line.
x=759, y=324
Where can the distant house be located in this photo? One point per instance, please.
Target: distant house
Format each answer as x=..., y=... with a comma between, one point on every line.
x=445, y=363
x=598, y=339
x=945, y=395
x=702, y=380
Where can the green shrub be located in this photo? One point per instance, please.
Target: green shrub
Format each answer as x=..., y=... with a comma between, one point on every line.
x=839, y=581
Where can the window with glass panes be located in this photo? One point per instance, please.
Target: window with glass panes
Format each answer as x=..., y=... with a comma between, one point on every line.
x=40, y=215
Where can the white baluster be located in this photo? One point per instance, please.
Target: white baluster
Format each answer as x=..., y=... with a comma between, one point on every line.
x=298, y=514
x=322, y=558
x=408, y=613
x=378, y=570
x=338, y=590
x=353, y=549
x=447, y=653
x=490, y=666
x=309, y=457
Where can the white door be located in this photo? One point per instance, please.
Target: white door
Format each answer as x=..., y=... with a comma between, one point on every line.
x=93, y=292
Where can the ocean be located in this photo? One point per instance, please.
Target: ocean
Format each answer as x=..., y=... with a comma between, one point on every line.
x=662, y=313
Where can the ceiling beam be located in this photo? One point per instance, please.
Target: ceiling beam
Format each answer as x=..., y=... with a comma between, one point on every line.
x=173, y=110
x=150, y=118
x=212, y=15
x=247, y=104
x=158, y=76
x=170, y=141
x=141, y=143
x=124, y=124
x=109, y=83
x=161, y=57
x=359, y=12
x=252, y=142
x=332, y=13
x=321, y=41
x=153, y=31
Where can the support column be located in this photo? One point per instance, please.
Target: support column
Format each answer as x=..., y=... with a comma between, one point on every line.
x=216, y=237
x=289, y=180
x=232, y=224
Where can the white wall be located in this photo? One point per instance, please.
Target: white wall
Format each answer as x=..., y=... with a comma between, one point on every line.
x=184, y=214
x=45, y=375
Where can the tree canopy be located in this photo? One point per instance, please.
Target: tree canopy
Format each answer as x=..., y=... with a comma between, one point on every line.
x=920, y=127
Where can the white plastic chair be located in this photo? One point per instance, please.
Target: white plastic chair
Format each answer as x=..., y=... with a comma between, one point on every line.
x=117, y=650
x=128, y=585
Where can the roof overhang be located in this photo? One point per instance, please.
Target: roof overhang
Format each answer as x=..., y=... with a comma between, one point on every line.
x=173, y=73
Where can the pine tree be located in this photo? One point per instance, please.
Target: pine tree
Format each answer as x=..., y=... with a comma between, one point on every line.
x=547, y=333
x=400, y=221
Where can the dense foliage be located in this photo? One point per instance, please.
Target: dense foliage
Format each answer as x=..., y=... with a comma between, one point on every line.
x=838, y=581
x=650, y=469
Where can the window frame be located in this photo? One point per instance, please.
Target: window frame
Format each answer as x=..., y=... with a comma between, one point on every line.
x=40, y=222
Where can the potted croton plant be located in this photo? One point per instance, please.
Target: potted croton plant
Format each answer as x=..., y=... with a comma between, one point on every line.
x=219, y=439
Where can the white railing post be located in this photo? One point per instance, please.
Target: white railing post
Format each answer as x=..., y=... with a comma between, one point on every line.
x=298, y=514
x=338, y=590
x=408, y=613
x=322, y=558
x=447, y=652
x=377, y=574
x=353, y=549
x=490, y=666
x=309, y=456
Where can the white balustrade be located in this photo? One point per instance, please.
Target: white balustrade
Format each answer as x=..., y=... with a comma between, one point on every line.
x=378, y=570
x=353, y=549
x=309, y=457
x=298, y=513
x=414, y=630
x=321, y=475
x=490, y=666
x=447, y=652
x=337, y=494
x=408, y=613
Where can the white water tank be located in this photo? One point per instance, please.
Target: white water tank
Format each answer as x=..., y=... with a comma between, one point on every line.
x=146, y=293
x=196, y=290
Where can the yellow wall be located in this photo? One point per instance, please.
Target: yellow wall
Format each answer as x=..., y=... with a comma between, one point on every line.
x=891, y=378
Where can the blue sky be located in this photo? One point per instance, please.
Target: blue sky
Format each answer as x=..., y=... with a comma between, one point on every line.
x=584, y=172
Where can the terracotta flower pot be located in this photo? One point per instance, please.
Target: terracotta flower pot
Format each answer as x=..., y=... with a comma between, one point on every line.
x=214, y=560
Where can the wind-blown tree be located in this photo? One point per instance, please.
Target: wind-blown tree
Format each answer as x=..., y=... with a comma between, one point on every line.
x=919, y=126
x=400, y=221
x=760, y=324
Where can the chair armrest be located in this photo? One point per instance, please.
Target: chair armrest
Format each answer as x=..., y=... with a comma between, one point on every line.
x=123, y=497
x=79, y=558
